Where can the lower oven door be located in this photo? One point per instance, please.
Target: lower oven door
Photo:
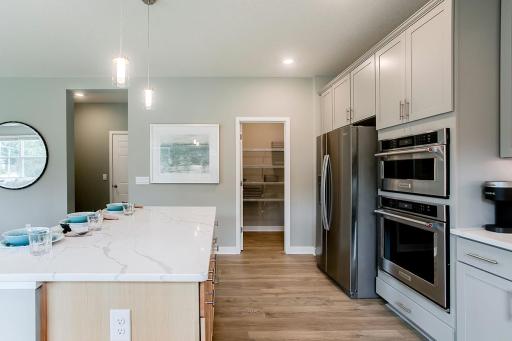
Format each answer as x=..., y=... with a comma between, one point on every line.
x=416, y=170
x=414, y=251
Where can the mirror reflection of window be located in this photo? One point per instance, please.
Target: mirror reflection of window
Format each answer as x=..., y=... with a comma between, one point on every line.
x=23, y=155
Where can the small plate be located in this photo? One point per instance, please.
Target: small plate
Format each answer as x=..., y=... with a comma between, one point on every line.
x=56, y=237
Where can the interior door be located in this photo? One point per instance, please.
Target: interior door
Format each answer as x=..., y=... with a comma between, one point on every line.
x=363, y=90
x=119, y=176
x=342, y=111
x=429, y=64
x=390, y=82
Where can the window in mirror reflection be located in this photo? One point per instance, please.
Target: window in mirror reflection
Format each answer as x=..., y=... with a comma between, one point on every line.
x=23, y=155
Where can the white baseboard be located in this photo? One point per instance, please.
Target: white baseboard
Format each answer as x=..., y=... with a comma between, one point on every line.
x=301, y=250
x=263, y=228
x=228, y=250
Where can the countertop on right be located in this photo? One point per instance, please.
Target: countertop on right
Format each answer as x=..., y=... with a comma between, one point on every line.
x=479, y=234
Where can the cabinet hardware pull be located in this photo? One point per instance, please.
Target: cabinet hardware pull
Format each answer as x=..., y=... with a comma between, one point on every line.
x=407, y=107
x=488, y=260
x=347, y=114
x=403, y=307
x=401, y=110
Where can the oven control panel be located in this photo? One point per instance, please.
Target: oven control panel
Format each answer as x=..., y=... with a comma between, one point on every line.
x=432, y=137
x=414, y=207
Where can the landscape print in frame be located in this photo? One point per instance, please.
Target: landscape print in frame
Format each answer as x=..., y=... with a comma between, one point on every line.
x=184, y=153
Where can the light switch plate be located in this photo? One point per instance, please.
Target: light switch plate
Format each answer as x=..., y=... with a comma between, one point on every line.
x=105, y=177
x=142, y=180
x=120, y=325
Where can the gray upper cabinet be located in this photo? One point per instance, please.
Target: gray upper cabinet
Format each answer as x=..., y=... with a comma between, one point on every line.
x=410, y=76
x=414, y=71
x=506, y=79
x=363, y=90
x=326, y=110
x=342, y=109
x=390, y=78
x=429, y=70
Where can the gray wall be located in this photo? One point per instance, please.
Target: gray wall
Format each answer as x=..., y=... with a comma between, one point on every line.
x=42, y=103
x=478, y=26
x=93, y=121
x=196, y=100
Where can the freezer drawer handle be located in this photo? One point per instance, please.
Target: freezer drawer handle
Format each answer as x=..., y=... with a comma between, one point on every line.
x=488, y=260
x=403, y=307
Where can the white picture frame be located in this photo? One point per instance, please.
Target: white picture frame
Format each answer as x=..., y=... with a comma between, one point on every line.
x=184, y=153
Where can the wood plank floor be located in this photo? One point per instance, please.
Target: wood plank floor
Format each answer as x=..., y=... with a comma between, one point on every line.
x=266, y=295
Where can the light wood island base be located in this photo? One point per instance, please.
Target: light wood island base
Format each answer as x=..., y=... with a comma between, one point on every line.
x=80, y=311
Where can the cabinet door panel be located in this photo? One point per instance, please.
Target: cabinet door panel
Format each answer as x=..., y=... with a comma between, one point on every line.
x=484, y=303
x=342, y=102
x=363, y=90
x=429, y=64
x=390, y=79
x=326, y=111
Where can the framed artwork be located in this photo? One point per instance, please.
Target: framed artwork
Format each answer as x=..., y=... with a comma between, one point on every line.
x=184, y=153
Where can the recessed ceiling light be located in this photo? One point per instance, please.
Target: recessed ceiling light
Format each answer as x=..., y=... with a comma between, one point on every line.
x=79, y=94
x=288, y=61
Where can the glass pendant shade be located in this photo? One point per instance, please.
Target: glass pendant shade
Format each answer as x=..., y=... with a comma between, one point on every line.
x=148, y=98
x=120, y=75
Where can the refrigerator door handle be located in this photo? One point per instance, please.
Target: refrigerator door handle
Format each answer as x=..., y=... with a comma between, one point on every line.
x=322, y=191
x=328, y=216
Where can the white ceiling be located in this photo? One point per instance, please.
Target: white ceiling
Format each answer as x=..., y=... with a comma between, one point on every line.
x=193, y=38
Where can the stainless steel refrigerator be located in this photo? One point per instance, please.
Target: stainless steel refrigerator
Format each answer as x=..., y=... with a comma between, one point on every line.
x=346, y=242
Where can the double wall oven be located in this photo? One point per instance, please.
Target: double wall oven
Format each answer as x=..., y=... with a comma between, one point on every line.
x=414, y=234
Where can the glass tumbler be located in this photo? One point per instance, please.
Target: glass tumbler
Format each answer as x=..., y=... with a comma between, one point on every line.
x=40, y=240
x=128, y=208
x=95, y=221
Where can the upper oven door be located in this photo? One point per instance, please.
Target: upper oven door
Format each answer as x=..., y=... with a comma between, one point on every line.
x=421, y=170
x=413, y=250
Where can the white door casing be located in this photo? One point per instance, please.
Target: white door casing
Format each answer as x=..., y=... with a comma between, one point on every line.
x=118, y=166
x=239, y=176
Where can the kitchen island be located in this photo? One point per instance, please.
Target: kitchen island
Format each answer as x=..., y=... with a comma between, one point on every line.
x=157, y=263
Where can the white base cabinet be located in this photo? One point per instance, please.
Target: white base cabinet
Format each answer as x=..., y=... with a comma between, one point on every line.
x=484, y=305
x=484, y=292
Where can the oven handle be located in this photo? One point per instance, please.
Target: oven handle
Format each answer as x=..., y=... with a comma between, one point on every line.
x=419, y=222
x=433, y=149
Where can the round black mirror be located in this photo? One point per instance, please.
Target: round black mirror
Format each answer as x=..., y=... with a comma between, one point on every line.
x=23, y=155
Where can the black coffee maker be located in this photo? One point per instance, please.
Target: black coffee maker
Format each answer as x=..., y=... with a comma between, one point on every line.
x=501, y=193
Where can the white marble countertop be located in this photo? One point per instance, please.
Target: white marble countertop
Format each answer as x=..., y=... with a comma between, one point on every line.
x=156, y=244
x=479, y=234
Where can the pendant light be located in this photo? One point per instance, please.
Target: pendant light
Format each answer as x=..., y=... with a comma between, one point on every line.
x=120, y=76
x=148, y=91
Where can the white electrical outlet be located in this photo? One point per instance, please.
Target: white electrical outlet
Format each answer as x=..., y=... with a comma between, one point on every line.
x=120, y=325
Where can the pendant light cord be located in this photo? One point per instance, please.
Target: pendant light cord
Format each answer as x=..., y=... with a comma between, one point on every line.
x=121, y=26
x=148, y=50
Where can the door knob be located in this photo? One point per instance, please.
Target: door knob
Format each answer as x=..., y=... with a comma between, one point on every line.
x=115, y=186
